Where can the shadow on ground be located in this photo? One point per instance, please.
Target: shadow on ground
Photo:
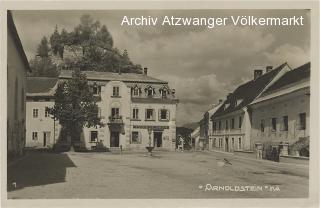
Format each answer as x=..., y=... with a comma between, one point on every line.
x=38, y=168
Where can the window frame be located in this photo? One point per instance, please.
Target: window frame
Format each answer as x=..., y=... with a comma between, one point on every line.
x=34, y=136
x=138, y=141
x=135, y=113
x=285, y=123
x=274, y=124
x=115, y=91
x=35, y=113
x=302, y=121
x=153, y=114
x=166, y=112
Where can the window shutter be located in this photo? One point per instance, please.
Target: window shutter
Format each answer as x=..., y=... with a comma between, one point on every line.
x=140, y=137
x=146, y=114
x=159, y=114
x=168, y=115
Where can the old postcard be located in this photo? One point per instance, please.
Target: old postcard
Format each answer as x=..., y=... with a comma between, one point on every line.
x=148, y=102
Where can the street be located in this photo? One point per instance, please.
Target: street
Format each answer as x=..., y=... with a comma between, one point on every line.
x=44, y=175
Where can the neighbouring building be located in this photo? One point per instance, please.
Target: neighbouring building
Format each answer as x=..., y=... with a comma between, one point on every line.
x=231, y=123
x=280, y=116
x=137, y=111
x=205, y=141
x=195, y=138
x=17, y=68
x=42, y=129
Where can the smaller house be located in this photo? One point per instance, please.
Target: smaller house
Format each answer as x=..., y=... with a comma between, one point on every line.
x=280, y=116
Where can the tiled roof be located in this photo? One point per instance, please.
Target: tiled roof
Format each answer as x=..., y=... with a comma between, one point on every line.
x=40, y=84
x=247, y=92
x=111, y=76
x=290, y=77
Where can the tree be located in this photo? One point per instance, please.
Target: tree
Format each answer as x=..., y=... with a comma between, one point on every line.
x=43, y=48
x=43, y=67
x=75, y=106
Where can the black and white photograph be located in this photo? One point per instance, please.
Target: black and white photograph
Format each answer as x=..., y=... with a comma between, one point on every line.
x=159, y=104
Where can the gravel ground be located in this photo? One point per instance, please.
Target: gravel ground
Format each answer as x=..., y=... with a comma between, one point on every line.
x=43, y=175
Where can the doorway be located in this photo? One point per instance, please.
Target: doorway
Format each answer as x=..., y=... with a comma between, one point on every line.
x=114, y=139
x=46, y=138
x=227, y=145
x=157, y=139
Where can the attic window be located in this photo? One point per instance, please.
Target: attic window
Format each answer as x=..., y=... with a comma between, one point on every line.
x=239, y=101
x=226, y=105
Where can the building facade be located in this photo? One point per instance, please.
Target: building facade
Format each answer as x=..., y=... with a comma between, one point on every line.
x=205, y=139
x=280, y=116
x=231, y=126
x=42, y=130
x=137, y=111
x=17, y=68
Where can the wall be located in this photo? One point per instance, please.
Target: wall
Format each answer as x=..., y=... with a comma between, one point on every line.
x=41, y=124
x=287, y=105
x=16, y=82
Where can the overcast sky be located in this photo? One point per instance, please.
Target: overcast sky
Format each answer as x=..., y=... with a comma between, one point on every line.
x=202, y=64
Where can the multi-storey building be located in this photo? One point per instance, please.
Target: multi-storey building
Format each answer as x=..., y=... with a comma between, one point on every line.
x=138, y=111
x=42, y=129
x=232, y=121
x=280, y=116
x=17, y=67
x=205, y=140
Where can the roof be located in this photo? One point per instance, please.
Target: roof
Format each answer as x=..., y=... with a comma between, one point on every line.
x=13, y=31
x=248, y=92
x=111, y=76
x=290, y=77
x=40, y=84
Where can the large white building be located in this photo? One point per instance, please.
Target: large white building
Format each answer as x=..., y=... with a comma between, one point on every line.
x=135, y=108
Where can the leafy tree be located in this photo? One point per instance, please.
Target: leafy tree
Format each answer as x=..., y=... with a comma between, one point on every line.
x=75, y=106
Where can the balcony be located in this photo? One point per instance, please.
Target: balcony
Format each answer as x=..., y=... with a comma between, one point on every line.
x=115, y=120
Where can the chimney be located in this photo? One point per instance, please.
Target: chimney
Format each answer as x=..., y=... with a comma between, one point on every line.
x=269, y=68
x=257, y=73
x=145, y=71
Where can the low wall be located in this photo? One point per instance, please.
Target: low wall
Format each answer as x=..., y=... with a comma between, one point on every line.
x=250, y=154
x=295, y=159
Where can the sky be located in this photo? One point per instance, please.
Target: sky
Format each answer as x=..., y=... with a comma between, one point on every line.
x=203, y=65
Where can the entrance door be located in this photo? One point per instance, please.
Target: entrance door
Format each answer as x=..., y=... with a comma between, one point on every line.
x=114, y=139
x=157, y=139
x=227, y=145
x=46, y=138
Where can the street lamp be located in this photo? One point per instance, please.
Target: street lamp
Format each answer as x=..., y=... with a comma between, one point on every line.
x=150, y=148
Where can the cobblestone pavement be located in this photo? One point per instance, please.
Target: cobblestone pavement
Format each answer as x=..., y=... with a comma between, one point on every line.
x=165, y=175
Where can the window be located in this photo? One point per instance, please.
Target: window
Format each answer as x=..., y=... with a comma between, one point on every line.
x=232, y=123
x=96, y=90
x=34, y=135
x=239, y=143
x=22, y=100
x=232, y=143
x=46, y=112
x=135, y=137
x=302, y=121
x=238, y=102
x=94, y=136
x=285, y=123
x=262, y=125
x=115, y=92
x=135, y=113
x=214, y=126
x=164, y=93
x=115, y=113
x=35, y=113
x=135, y=91
x=149, y=114
x=164, y=114
x=274, y=124
x=150, y=92
x=226, y=106
x=240, y=121
x=219, y=125
x=227, y=124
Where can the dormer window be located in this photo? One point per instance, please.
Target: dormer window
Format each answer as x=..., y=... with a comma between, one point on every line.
x=135, y=91
x=150, y=91
x=164, y=91
x=239, y=101
x=226, y=105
